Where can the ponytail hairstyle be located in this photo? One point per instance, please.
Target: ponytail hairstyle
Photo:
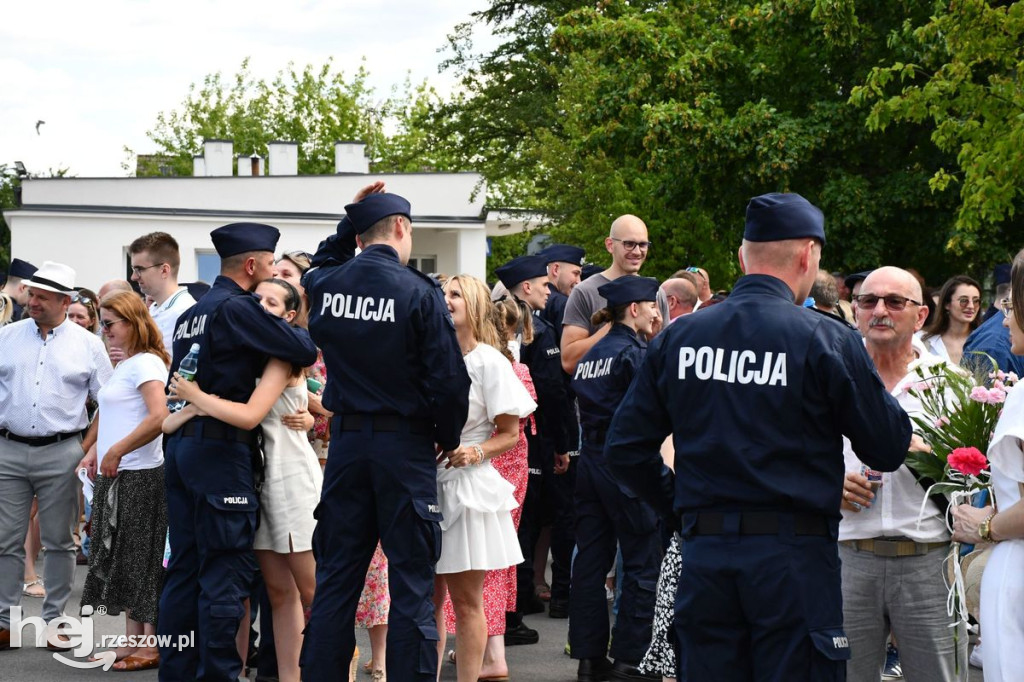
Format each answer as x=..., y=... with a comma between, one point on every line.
x=512, y=316
x=610, y=314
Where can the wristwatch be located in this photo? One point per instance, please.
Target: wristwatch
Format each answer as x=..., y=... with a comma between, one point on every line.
x=985, y=528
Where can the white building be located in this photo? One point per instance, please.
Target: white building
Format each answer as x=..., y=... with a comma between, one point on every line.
x=88, y=223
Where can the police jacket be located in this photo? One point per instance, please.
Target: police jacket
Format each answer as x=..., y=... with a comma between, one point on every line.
x=554, y=413
x=554, y=310
x=601, y=379
x=388, y=342
x=236, y=336
x=757, y=393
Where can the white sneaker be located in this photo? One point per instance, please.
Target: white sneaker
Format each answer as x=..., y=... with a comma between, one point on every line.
x=975, y=658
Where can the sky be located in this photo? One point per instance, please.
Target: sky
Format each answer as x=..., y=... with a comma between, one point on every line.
x=98, y=73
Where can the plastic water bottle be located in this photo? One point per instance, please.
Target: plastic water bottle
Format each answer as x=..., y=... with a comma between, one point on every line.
x=187, y=369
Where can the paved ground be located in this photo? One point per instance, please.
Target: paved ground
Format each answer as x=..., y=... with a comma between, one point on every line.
x=543, y=662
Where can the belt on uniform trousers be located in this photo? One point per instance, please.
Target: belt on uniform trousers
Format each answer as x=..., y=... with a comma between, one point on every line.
x=385, y=423
x=893, y=547
x=757, y=523
x=216, y=430
x=40, y=441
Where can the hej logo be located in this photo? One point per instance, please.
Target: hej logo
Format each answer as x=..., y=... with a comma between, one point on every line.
x=80, y=636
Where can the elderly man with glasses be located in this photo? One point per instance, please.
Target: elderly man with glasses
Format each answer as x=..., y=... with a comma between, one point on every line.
x=155, y=260
x=892, y=555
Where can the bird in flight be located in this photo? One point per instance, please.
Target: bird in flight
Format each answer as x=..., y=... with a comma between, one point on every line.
x=39, y=123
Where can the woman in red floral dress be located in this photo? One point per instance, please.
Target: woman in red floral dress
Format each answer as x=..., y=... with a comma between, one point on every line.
x=514, y=321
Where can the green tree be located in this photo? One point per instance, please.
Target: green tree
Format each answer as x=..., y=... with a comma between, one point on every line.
x=8, y=181
x=962, y=73
x=680, y=112
x=313, y=107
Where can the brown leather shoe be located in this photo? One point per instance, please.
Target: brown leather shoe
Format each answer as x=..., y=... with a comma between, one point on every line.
x=5, y=639
x=59, y=647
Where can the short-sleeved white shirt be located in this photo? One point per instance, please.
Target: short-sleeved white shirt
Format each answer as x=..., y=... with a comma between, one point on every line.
x=166, y=315
x=122, y=409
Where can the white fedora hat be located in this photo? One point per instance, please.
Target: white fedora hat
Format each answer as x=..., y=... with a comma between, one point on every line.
x=55, y=277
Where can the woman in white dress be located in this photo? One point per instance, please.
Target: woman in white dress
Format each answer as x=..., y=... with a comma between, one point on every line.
x=957, y=314
x=1002, y=585
x=477, y=533
x=292, y=479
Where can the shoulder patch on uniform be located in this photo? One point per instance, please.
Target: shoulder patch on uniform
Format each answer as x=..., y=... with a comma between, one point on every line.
x=424, y=276
x=833, y=316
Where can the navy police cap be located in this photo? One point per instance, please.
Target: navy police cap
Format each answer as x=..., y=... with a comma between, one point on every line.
x=776, y=217
x=628, y=289
x=21, y=269
x=589, y=270
x=1001, y=273
x=231, y=240
x=521, y=269
x=856, y=277
x=562, y=253
x=374, y=207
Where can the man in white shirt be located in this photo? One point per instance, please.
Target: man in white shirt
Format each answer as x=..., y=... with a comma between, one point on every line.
x=48, y=367
x=893, y=573
x=155, y=261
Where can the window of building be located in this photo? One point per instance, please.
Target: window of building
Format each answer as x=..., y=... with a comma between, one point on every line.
x=207, y=265
x=425, y=264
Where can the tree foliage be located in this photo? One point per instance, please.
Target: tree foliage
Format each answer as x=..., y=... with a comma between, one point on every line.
x=313, y=107
x=679, y=112
x=963, y=73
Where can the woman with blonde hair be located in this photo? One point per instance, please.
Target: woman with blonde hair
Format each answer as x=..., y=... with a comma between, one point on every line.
x=477, y=533
x=129, y=508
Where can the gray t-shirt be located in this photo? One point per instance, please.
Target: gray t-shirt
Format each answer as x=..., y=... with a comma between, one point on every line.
x=583, y=302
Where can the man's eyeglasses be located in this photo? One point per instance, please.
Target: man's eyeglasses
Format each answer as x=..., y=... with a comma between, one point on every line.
x=695, y=270
x=1006, y=305
x=138, y=269
x=107, y=324
x=965, y=301
x=893, y=302
x=629, y=244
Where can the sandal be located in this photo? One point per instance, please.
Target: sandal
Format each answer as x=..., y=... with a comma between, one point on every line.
x=368, y=667
x=451, y=656
x=133, y=663
x=34, y=589
x=542, y=591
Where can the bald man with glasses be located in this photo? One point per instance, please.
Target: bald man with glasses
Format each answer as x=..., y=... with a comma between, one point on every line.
x=629, y=245
x=892, y=554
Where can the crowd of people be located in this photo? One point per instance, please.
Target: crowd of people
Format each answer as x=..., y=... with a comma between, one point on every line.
x=335, y=440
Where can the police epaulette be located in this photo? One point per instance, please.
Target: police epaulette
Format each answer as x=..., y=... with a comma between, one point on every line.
x=833, y=316
x=424, y=276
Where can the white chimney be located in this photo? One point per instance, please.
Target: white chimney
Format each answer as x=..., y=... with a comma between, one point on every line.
x=284, y=157
x=250, y=165
x=350, y=157
x=217, y=154
x=198, y=166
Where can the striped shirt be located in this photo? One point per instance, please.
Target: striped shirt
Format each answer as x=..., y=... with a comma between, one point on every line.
x=44, y=383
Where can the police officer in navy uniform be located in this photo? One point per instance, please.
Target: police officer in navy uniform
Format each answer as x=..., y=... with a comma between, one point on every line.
x=211, y=501
x=18, y=271
x=564, y=263
x=757, y=393
x=397, y=385
x=606, y=513
x=546, y=500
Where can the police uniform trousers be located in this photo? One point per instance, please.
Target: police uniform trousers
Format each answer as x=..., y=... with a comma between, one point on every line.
x=606, y=515
x=211, y=514
x=549, y=501
x=760, y=607
x=376, y=485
